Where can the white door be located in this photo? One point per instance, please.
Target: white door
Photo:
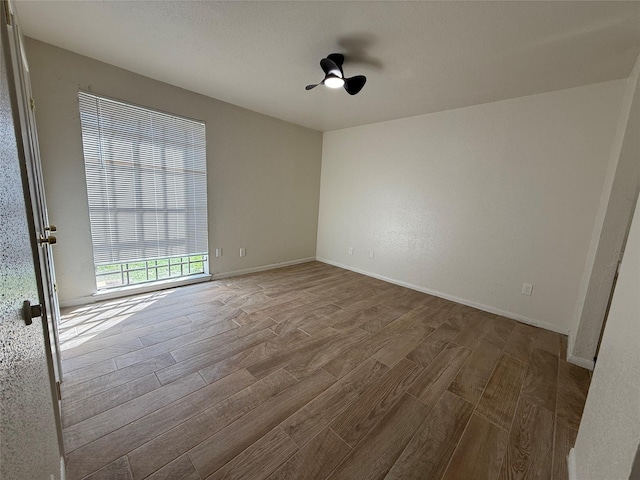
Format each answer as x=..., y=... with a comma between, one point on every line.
x=44, y=231
x=43, y=234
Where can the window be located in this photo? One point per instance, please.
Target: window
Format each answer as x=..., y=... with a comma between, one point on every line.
x=147, y=190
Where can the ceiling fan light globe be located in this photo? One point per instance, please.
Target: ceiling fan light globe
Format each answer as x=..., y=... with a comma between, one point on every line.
x=334, y=82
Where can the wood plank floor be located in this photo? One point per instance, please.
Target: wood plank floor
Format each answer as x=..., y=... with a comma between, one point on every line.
x=312, y=372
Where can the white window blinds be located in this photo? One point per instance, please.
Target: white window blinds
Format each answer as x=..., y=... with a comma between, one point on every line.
x=146, y=181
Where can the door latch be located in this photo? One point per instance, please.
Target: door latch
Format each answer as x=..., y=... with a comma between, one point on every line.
x=29, y=312
x=51, y=239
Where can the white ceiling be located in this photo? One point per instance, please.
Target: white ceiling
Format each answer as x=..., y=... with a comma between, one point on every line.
x=419, y=57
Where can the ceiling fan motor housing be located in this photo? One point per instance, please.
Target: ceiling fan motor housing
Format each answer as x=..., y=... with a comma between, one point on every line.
x=334, y=76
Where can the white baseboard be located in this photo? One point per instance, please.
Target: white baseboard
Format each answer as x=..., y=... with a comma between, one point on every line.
x=570, y=342
x=571, y=465
x=220, y=275
x=122, y=292
x=581, y=362
x=135, y=290
x=77, y=302
x=236, y=273
x=453, y=298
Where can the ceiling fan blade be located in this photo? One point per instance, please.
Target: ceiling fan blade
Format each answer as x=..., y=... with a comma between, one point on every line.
x=354, y=84
x=329, y=66
x=337, y=58
x=309, y=87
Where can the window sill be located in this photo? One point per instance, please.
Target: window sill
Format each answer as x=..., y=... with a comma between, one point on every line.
x=150, y=287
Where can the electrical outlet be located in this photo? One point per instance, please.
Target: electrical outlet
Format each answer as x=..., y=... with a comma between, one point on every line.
x=370, y=253
x=243, y=252
x=527, y=289
x=350, y=251
x=218, y=252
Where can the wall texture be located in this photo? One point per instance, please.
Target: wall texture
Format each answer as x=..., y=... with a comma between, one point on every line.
x=28, y=439
x=610, y=429
x=470, y=204
x=264, y=174
x=611, y=226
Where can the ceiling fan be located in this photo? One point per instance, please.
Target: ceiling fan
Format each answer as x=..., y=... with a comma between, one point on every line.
x=334, y=77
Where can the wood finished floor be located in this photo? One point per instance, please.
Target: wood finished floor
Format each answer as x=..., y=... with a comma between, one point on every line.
x=312, y=372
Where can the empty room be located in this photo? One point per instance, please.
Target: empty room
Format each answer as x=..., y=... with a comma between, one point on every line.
x=320, y=240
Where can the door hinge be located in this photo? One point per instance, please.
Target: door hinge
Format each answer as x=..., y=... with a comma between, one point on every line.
x=32, y=104
x=58, y=391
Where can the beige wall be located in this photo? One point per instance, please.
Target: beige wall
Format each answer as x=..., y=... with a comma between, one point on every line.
x=264, y=173
x=470, y=204
x=610, y=429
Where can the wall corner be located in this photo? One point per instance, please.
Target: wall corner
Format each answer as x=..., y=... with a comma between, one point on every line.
x=606, y=238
